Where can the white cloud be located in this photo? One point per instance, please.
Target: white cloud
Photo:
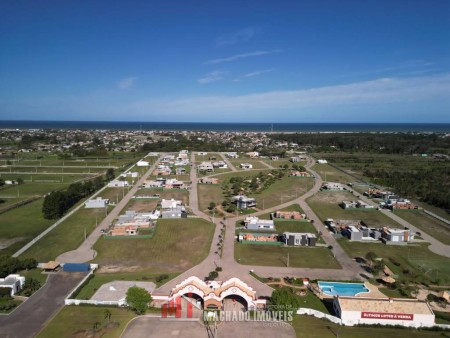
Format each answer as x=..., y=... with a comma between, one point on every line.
x=243, y=56
x=257, y=73
x=127, y=83
x=214, y=76
x=243, y=35
x=381, y=91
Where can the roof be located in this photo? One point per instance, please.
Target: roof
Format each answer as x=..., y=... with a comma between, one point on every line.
x=384, y=305
x=51, y=265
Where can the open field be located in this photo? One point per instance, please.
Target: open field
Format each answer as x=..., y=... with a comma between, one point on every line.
x=426, y=223
x=269, y=255
x=66, y=236
x=141, y=205
x=20, y=225
x=102, y=278
x=208, y=193
x=417, y=263
x=325, y=205
x=176, y=246
x=71, y=321
x=311, y=327
x=31, y=189
x=330, y=174
x=292, y=207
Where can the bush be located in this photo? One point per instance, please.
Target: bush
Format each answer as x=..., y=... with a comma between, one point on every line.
x=218, y=269
x=160, y=278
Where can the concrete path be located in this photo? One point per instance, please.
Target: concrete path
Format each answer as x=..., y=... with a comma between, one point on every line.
x=227, y=161
x=30, y=317
x=267, y=164
x=85, y=253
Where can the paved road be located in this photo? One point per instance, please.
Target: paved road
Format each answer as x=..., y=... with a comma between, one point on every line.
x=30, y=317
x=267, y=164
x=229, y=164
x=435, y=245
x=351, y=270
x=84, y=252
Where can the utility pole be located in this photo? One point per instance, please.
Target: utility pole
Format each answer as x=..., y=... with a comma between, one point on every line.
x=288, y=259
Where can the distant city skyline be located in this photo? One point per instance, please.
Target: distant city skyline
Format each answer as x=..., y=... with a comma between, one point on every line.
x=233, y=61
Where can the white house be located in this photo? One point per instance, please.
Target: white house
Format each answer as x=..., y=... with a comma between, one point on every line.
x=96, y=203
x=322, y=161
x=383, y=311
x=132, y=174
x=118, y=184
x=206, y=166
x=246, y=166
x=13, y=282
x=142, y=163
x=254, y=223
x=333, y=186
x=202, y=153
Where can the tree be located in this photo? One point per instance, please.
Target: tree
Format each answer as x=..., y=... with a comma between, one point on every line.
x=138, y=299
x=2, y=182
x=212, y=205
x=109, y=175
x=20, y=181
x=285, y=298
x=371, y=256
x=54, y=205
x=107, y=315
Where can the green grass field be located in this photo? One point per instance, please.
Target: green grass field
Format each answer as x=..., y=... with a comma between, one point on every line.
x=330, y=174
x=421, y=263
x=66, y=236
x=176, y=246
x=72, y=320
x=292, y=207
x=326, y=205
x=255, y=162
x=268, y=255
x=208, y=193
x=20, y=225
x=426, y=223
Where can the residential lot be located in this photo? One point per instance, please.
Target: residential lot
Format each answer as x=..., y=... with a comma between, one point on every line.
x=330, y=174
x=208, y=193
x=176, y=246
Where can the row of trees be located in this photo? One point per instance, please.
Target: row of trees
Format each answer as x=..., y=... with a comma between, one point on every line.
x=58, y=202
x=9, y=265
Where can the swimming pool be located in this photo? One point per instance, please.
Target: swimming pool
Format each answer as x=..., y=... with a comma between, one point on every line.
x=342, y=289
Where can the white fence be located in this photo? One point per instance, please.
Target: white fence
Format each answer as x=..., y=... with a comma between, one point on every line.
x=318, y=314
x=120, y=302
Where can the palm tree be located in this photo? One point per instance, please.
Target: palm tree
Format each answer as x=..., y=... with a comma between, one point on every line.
x=108, y=315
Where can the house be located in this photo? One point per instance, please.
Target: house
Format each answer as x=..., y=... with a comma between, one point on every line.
x=162, y=170
x=170, y=204
x=332, y=186
x=202, y=153
x=383, y=311
x=355, y=204
x=256, y=238
x=96, y=203
x=274, y=158
x=220, y=165
x=172, y=209
x=403, y=204
x=13, y=282
x=322, y=161
x=209, y=180
x=180, y=171
x=254, y=223
x=206, y=166
x=232, y=155
x=182, y=156
x=288, y=215
x=246, y=166
x=252, y=154
x=142, y=163
x=243, y=202
x=173, y=183
x=298, y=173
x=168, y=158
x=118, y=184
x=133, y=174
x=352, y=233
x=295, y=159
x=299, y=239
x=181, y=162
x=152, y=154
x=153, y=184
x=395, y=235
x=124, y=231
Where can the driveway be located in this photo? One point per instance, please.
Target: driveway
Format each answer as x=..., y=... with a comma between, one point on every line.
x=30, y=317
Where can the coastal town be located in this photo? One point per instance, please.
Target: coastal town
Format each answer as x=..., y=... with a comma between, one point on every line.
x=208, y=233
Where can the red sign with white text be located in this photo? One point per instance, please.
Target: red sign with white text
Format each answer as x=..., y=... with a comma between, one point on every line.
x=383, y=315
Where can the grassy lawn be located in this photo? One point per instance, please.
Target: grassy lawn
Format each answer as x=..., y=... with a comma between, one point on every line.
x=326, y=205
x=311, y=327
x=32, y=189
x=422, y=264
x=176, y=246
x=102, y=278
x=75, y=319
x=426, y=223
x=20, y=225
x=330, y=174
x=66, y=236
x=268, y=255
x=8, y=303
x=294, y=226
x=208, y=193
x=392, y=293
x=255, y=162
x=292, y=207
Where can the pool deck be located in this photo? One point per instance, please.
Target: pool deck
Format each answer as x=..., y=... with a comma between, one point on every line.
x=373, y=292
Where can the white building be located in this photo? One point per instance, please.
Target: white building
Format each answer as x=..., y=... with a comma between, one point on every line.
x=246, y=166
x=132, y=174
x=96, y=203
x=13, y=282
x=254, y=223
x=322, y=161
x=232, y=154
x=333, y=186
x=142, y=163
x=384, y=311
x=117, y=183
x=202, y=153
x=397, y=235
x=206, y=166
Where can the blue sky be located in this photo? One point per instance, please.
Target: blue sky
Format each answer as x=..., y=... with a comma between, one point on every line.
x=230, y=61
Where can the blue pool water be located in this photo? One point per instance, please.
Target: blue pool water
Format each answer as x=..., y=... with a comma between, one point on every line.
x=342, y=289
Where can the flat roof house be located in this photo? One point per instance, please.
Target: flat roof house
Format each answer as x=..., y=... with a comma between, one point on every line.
x=246, y=166
x=254, y=223
x=13, y=282
x=244, y=202
x=299, y=239
x=206, y=166
x=397, y=235
x=384, y=311
x=333, y=186
x=96, y=203
x=118, y=184
x=142, y=164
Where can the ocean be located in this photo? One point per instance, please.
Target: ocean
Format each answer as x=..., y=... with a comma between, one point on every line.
x=251, y=127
